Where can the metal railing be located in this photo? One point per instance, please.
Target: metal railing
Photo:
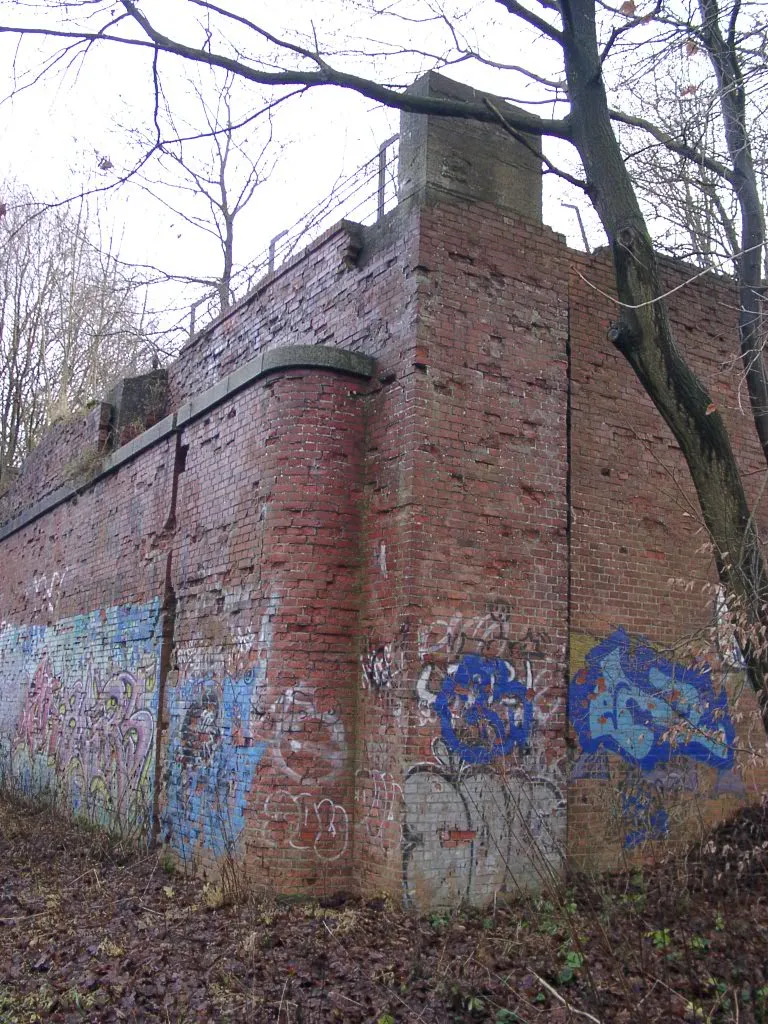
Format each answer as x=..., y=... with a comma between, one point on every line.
x=365, y=196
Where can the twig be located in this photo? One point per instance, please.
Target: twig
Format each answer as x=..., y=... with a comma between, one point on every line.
x=664, y=295
x=567, y=1005
x=282, y=997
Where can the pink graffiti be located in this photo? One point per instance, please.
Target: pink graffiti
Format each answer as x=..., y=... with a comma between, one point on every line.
x=97, y=735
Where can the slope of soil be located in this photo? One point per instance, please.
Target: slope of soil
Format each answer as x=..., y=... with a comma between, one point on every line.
x=91, y=932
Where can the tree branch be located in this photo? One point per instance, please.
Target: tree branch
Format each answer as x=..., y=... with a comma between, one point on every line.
x=674, y=145
x=621, y=29
x=519, y=137
x=532, y=19
x=389, y=96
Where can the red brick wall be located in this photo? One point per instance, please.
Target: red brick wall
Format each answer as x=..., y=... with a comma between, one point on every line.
x=639, y=561
x=259, y=755
x=350, y=610
x=466, y=549
x=81, y=626
x=322, y=297
x=64, y=455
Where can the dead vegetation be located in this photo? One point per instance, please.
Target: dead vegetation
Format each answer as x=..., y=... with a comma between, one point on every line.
x=92, y=931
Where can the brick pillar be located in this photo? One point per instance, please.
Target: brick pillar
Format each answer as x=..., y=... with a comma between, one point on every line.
x=300, y=806
x=461, y=772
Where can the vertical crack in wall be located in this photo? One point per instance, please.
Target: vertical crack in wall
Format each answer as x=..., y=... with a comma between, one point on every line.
x=169, y=629
x=568, y=547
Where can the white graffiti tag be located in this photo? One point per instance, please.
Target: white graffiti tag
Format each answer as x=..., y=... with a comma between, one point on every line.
x=48, y=590
x=318, y=825
x=379, y=798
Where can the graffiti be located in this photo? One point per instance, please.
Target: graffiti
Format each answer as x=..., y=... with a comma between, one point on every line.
x=212, y=758
x=378, y=797
x=642, y=811
x=87, y=692
x=661, y=719
x=488, y=635
x=48, y=590
x=307, y=823
x=470, y=832
x=636, y=704
x=213, y=750
x=244, y=640
x=200, y=732
x=381, y=558
x=484, y=712
x=96, y=735
x=308, y=744
x=488, y=813
x=479, y=691
x=379, y=667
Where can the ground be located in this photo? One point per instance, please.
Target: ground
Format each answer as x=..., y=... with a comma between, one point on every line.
x=90, y=931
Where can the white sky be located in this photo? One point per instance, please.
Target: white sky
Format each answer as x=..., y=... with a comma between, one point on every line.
x=54, y=130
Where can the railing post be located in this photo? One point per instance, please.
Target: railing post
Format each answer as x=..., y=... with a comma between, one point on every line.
x=383, y=175
x=272, y=244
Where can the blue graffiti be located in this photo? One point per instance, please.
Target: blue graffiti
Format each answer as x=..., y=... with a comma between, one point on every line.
x=484, y=712
x=643, y=815
x=212, y=758
x=634, y=703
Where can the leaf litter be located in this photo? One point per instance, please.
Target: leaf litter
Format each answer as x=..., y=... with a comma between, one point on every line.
x=92, y=930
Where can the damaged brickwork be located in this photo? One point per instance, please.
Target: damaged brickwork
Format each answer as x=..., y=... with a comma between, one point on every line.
x=371, y=590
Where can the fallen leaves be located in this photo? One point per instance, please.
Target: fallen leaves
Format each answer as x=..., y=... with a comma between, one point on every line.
x=85, y=937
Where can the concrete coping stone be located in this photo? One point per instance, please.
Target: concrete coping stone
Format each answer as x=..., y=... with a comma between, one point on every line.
x=322, y=357
x=139, y=443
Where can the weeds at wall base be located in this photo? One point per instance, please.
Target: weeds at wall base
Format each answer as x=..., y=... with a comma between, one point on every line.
x=83, y=934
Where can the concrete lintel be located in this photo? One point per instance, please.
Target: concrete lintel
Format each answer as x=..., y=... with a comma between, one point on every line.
x=321, y=357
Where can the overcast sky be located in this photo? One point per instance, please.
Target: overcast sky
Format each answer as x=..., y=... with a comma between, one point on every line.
x=56, y=130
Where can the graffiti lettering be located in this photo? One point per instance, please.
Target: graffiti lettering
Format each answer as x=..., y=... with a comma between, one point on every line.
x=307, y=823
x=484, y=712
x=96, y=735
x=378, y=667
x=213, y=751
x=378, y=796
x=48, y=590
x=470, y=832
x=211, y=762
x=308, y=744
x=636, y=704
x=86, y=709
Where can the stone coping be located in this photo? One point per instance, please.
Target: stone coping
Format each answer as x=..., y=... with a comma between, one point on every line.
x=319, y=357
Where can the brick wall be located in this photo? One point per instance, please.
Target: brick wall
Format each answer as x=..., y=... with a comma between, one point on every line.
x=462, y=709
x=657, y=716
x=418, y=626
x=64, y=456
x=81, y=626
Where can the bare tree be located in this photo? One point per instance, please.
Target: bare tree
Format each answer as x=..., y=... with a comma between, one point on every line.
x=71, y=320
x=207, y=171
x=719, y=205
x=693, y=212
x=577, y=40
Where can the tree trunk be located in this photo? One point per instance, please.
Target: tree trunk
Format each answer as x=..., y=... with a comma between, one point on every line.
x=643, y=335
x=749, y=262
